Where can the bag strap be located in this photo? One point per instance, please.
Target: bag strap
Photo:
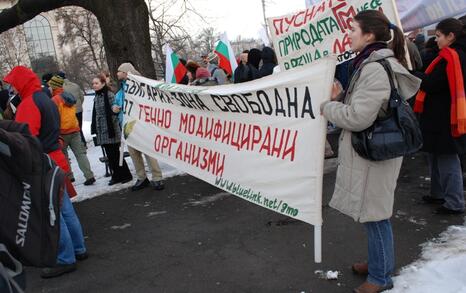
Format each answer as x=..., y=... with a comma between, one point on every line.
x=395, y=99
x=388, y=69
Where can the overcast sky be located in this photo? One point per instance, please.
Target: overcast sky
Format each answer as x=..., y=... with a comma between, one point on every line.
x=241, y=17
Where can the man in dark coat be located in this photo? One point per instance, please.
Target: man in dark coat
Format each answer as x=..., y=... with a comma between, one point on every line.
x=269, y=61
x=250, y=70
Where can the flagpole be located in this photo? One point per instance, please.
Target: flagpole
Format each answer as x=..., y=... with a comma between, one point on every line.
x=398, y=23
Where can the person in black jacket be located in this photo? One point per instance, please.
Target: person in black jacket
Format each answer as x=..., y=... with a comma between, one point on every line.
x=435, y=120
x=429, y=53
x=250, y=70
x=4, y=97
x=269, y=61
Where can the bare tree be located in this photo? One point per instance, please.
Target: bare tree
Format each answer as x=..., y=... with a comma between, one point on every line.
x=13, y=50
x=202, y=44
x=168, y=28
x=81, y=34
x=81, y=30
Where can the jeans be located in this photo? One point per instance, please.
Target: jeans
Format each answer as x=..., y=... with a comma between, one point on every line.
x=71, y=234
x=381, y=254
x=447, y=180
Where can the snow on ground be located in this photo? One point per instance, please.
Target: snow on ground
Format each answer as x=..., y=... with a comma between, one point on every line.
x=441, y=268
x=101, y=186
x=94, y=153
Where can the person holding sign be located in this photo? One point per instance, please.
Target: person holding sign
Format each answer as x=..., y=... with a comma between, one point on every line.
x=364, y=190
x=136, y=156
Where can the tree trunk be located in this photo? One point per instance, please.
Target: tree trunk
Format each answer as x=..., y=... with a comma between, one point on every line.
x=125, y=31
x=124, y=25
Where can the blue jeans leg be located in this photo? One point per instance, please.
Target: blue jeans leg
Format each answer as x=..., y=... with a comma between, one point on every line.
x=65, y=245
x=436, y=189
x=381, y=254
x=71, y=235
x=451, y=178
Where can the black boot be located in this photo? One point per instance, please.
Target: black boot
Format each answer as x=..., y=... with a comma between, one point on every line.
x=89, y=181
x=58, y=270
x=158, y=185
x=140, y=184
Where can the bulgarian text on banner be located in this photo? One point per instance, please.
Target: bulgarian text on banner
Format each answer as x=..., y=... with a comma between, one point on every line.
x=321, y=30
x=262, y=141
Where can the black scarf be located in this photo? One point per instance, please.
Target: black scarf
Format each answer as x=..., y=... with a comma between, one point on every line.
x=108, y=113
x=365, y=53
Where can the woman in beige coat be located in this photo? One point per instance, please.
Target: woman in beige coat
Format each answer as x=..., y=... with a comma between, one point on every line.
x=364, y=190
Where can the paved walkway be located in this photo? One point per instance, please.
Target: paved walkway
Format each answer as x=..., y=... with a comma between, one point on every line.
x=192, y=237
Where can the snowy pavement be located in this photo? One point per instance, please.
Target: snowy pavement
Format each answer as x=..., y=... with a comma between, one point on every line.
x=441, y=268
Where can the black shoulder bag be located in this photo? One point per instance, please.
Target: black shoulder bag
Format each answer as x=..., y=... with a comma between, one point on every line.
x=393, y=136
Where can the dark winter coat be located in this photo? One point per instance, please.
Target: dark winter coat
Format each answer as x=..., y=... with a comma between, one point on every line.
x=435, y=120
x=4, y=97
x=244, y=73
x=269, y=61
x=254, y=57
x=105, y=123
x=428, y=55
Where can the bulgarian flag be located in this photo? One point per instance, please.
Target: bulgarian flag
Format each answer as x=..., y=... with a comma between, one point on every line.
x=226, y=57
x=175, y=70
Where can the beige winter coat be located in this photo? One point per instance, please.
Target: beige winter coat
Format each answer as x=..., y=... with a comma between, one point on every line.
x=364, y=190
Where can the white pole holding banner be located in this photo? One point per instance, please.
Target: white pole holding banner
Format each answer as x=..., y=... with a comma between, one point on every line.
x=122, y=139
x=318, y=244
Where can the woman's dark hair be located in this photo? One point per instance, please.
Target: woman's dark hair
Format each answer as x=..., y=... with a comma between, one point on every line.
x=192, y=67
x=451, y=25
x=102, y=78
x=375, y=22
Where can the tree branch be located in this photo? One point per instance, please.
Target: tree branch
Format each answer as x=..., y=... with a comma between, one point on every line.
x=26, y=10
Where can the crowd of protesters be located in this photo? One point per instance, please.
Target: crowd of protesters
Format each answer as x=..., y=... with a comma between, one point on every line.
x=364, y=189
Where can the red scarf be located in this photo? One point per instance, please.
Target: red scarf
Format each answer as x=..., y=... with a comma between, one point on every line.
x=456, y=84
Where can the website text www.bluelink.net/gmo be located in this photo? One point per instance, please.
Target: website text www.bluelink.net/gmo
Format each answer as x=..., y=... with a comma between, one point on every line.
x=256, y=197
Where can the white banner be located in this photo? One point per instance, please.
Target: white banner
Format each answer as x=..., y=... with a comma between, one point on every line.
x=416, y=14
x=321, y=30
x=262, y=141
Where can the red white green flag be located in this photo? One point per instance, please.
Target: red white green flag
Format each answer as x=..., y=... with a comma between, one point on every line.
x=226, y=57
x=174, y=69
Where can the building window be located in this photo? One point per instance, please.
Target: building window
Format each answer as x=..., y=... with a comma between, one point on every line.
x=39, y=38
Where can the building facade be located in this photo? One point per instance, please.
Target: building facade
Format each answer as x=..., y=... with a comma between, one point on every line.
x=38, y=38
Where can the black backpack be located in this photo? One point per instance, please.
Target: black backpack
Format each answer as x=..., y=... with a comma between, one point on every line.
x=12, y=275
x=31, y=188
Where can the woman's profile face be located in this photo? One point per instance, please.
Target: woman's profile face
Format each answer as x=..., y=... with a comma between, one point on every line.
x=359, y=40
x=97, y=84
x=444, y=40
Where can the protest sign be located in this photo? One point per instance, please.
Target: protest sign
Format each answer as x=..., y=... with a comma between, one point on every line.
x=262, y=141
x=321, y=30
